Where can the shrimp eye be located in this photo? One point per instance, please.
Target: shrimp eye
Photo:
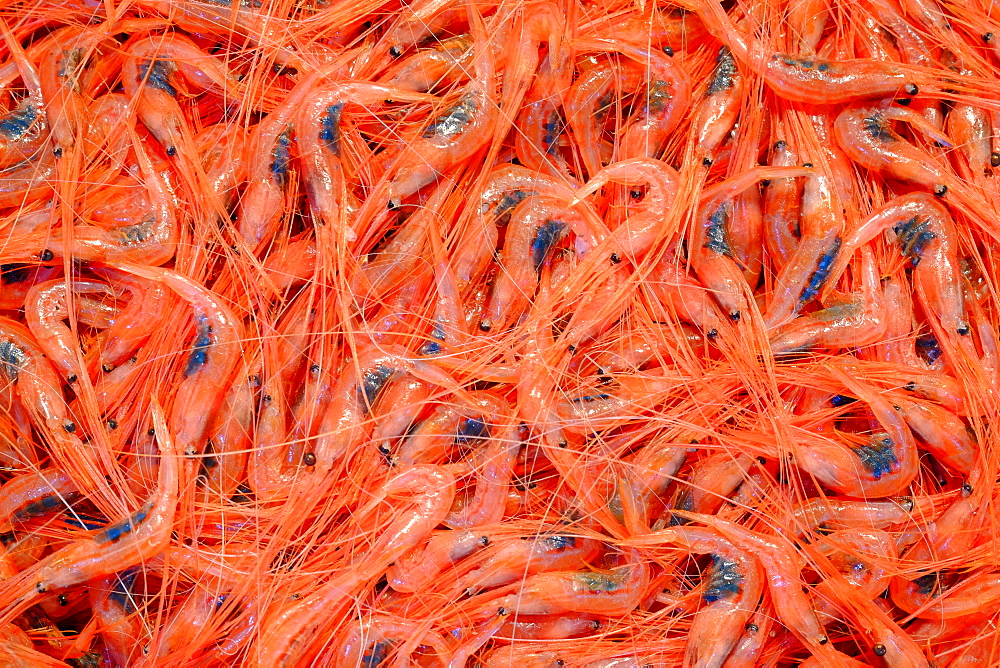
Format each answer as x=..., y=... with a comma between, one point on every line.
x=615, y=258
x=904, y=103
x=63, y=600
x=910, y=387
x=395, y=51
x=112, y=423
x=780, y=144
x=994, y=159
x=485, y=325
x=151, y=432
x=46, y=255
x=966, y=489
x=940, y=191
x=963, y=330
x=309, y=459
x=57, y=151
x=911, y=89
x=484, y=540
x=879, y=649
x=707, y=162
x=107, y=368
x=752, y=628
x=807, y=165
x=71, y=378
x=171, y=151
x=563, y=444
x=503, y=612
x=765, y=182
x=823, y=640
x=70, y=427
x=988, y=37
x=735, y=316
x=635, y=194
x=712, y=334
x=667, y=50
x=761, y=460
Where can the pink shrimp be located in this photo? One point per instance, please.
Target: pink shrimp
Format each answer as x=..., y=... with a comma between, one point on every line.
x=857, y=322
x=711, y=254
x=507, y=561
x=637, y=234
x=23, y=128
x=132, y=326
x=782, y=207
x=717, y=112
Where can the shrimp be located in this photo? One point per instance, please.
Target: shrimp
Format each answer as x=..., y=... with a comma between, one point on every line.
x=23, y=128
x=855, y=322
x=30, y=495
x=637, y=234
x=507, y=561
x=421, y=565
x=286, y=634
x=667, y=97
x=782, y=207
x=711, y=254
x=114, y=605
x=614, y=592
x=210, y=363
x=431, y=68
x=452, y=137
x=719, y=109
x=40, y=390
x=132, y=325
x=47, y=304
x=139, y=536
x=318, y=135
x=807, y=78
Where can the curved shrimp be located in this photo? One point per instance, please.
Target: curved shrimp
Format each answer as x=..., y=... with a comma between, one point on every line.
x=46, y=306
x=23, y=128
x=452, y=137
x=711, y=253
x=637, y=234
x=318, y=135
x=126, y=543
x=210, y=362
x=286, y=635
x=856, y=322
x=667, y=98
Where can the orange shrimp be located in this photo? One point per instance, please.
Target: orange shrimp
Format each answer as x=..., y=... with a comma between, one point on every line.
x=29, y=495
x=210, y=363
x=718, y=110
x=613, y=593
x=23, y=128
x=509, y=560
x=420, y=566
x=636, y=235
x=286, y=634
x=126, y=543
x=667, y=97
x=856, y=322
x=711, y=254
x=46, y=306
x=431, y=68
x=452, y=137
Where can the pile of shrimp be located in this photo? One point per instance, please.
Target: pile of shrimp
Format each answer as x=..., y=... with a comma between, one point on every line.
x=500, y=333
